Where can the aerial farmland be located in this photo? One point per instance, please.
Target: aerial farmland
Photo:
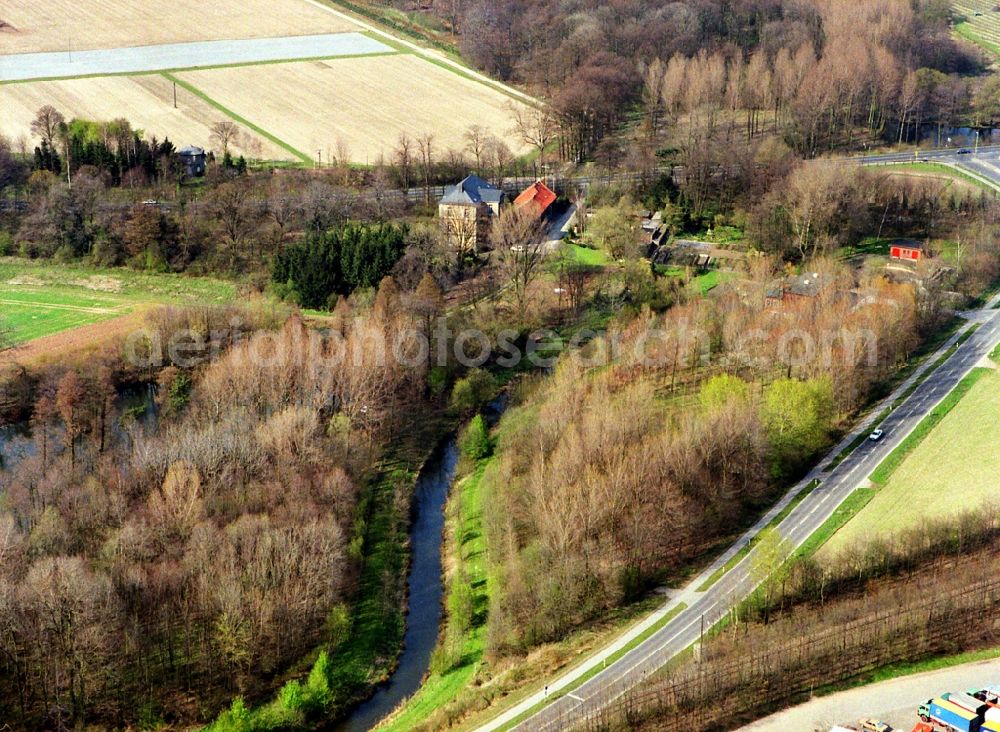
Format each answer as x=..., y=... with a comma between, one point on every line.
x=301, y=80
x=64, y=25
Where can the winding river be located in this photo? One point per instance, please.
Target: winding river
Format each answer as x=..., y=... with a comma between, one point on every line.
x=425, y=585
x=425, y=589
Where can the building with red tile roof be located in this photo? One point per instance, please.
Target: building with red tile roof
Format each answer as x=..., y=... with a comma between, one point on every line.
x=537, y=197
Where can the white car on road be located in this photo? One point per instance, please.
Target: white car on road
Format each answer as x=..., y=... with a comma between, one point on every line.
x=876, y=435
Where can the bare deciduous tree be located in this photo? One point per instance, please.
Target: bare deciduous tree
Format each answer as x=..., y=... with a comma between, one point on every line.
x=536, y=126
x=70, y=403
x=425, y=144
x=518, y=238
x=46, y=124
x=225, y=132
x=403, y=158
x=475, y=143
x=230, y=206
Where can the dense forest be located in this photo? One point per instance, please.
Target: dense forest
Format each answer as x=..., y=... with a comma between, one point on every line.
x=209, y=552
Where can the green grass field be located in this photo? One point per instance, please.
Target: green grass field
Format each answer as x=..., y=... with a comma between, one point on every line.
x=939, y=170
x=587, y=256
x=953, y=468
x=710, y=280
x=40, y=299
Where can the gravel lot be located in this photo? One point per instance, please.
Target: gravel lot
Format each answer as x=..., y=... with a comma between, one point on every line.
x=18, y=67
x=894, y=702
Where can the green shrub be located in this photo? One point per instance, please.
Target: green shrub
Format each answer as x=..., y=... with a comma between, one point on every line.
x=338, y=625
x=318, y=685
x=461, y=603
x=7, y=247
x=291, y=696
x=180, y=392
x=475, y=442
x=234, y=719
x=472, y=391
x=437, y=380
x=446, y=655
x=64, y=254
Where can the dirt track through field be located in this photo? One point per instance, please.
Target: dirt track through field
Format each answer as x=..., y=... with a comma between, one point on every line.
x=77, y=342
x=59, y=306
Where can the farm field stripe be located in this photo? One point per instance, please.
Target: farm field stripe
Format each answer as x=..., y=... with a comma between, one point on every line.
x=210, y=67
x=965, y=30
x=392, y=42
x=238, y=118
x=359, y=103
x=447, y=63
x=983, y=29
x=198, y=53
x=505, y=90
x=60, y=26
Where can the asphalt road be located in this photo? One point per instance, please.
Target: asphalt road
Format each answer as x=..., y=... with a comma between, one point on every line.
x=703, y=609
x=949, y=154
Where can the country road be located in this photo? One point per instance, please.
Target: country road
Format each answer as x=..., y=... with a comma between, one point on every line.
x=945, y=154
x=701, y=610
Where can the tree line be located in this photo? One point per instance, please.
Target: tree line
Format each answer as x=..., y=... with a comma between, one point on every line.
x=831, y=65
x=337, y=262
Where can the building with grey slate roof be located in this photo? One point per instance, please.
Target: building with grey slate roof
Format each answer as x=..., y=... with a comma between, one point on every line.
x=466, y=210
x=192, y=160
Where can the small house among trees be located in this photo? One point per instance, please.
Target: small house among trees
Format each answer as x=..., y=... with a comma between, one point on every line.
x=192, y=160
x=466, y=210
x=793, y=292
x=906, y=250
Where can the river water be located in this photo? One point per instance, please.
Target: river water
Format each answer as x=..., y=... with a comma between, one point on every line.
x=136, y=400
x=426, y=589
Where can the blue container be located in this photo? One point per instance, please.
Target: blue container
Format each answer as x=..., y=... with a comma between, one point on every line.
x=954, y=716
